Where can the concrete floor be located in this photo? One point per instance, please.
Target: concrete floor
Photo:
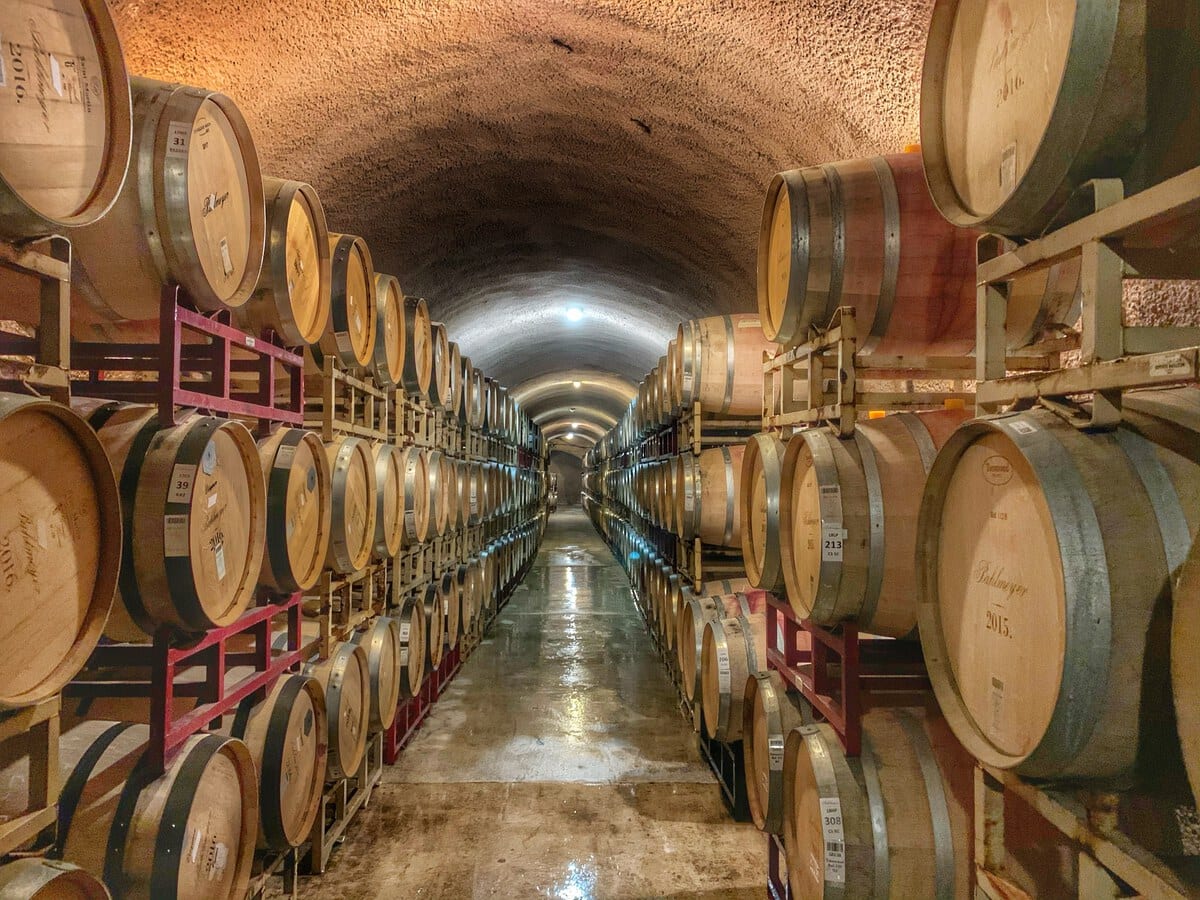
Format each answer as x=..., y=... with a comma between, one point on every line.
x=556, y=765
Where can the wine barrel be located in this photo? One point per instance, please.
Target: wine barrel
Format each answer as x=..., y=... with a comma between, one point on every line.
x=192, y=212
x=435, y=626
x=299, y=509
x=463, y=477
x=452, y=600
x=413, y=628
x=387, y=356
x=346, y=678
x=863, y=233
x=440, y=377
x=287, y=734
x=292, y=297
x=352, y=534
x=472, y=385
x=713, y=600
x=349, y=334
x=188, y=833
x=381, y=641
x=62, y=163
x=848, y=519
x=706, y=501
x=1022, y=103
x=456, y=382
x=762, y=483
x=887, y=824
x=733, y=650
x=60, y=546
x=439, y=493
x=418, y=348
x=389, y=499
x=769, y=715
x=49, y=879
x=470, y=589
x=416, y=495
x=1043, y=553
x=194, y=509
x=720, y=364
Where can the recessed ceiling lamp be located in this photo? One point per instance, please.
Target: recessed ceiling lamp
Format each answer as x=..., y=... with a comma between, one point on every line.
x=577, y=384
x=574, y=313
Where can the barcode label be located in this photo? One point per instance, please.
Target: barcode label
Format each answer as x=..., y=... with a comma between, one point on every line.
x=775, y=746
x=834, y=837
x=284, y=456
x=1021, y=427
x=175, y=535
x=831, y=502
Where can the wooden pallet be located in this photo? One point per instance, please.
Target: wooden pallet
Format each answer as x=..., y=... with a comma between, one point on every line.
x=341, y=603
x=342, y=802
x=36, y=728
x=42, y=365
x=1113, y=357
x=337, y=403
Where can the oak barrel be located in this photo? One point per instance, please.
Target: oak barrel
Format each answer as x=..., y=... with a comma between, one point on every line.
x=437, y=478
x=346, y=678
x=418, y=347
x=299, y=509
x=412, y=625
x=695, y=612
x=706, y=501
x=194, y=508
x=287, y=734
x=389, y=499
x=416, y=495
x=456, y=382
x=894, y=822
x=720, y=364
x=762, y=484
x=191, y=213
x=848, y=519
x=435, y=625
x=452, y=600
x=63, y=155
x=292, y=297
x=440, y=378
x=49, y=879
x=471, y=589
x=864, y=233
x=733, y=650
x=60, y=546
x=381, y=641
x=387, y=356
x=1024, y=102
x=1043, y=554
x=769, y=715
x=349, y=333
x=352, y=534
x=188, y=833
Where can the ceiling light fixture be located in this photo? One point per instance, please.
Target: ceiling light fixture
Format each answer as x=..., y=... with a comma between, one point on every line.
x=574, y=313
x=577, y=384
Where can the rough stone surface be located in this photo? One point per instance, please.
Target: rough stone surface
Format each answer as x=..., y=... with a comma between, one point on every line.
x=555, y=765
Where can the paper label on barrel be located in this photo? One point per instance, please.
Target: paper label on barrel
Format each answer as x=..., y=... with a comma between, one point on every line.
x=404, y=632
x=775, y=745
x=226, y=260
x=750, y=323
x=3, y=69
x=56, y=75
x=179, y=134
x=1022, y=427
x=181, y=484
x=175, y=535
x=723, y=672
x=832, y=541
x=1170, y=366
x=689, y=498
x=410, y=524
x=284, y=456
x=996, y=694
x=1008, y=167
x=835, y=840
x=219, y=559
x=831, y=504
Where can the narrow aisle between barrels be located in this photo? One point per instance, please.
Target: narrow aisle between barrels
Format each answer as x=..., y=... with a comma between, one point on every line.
x=557, y=764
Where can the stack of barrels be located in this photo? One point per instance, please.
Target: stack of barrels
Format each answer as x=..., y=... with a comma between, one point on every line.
x=670, y=495
x=120, y=524
x=1005, y=544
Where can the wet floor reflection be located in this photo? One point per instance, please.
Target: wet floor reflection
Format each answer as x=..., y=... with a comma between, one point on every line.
x=557, y=764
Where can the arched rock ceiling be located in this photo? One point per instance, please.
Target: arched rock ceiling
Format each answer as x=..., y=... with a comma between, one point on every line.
x=508, y=160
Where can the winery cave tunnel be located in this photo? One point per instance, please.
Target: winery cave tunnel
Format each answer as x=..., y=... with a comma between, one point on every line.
x=563, y=181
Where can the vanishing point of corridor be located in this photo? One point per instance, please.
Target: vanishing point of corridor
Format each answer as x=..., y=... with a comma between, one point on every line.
x=556, y=765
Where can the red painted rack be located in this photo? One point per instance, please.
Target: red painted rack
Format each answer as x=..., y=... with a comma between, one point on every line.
x=200, y=375
x=165, y=660
x=412, y=712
